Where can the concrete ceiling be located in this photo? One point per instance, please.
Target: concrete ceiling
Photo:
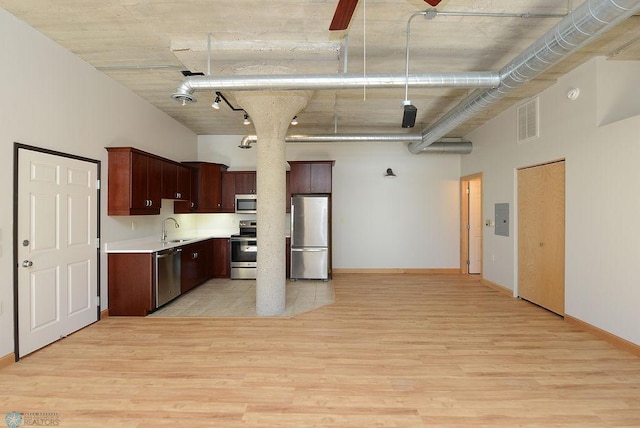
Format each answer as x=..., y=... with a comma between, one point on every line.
x=145, y=44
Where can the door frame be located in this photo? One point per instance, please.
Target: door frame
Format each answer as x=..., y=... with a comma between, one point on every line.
x=16, y=149
x=464, y=220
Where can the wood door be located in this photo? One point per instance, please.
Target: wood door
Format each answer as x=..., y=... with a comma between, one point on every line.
x=227, y=198
x=57, y=227
x=541, y=210
x=221, y=265
x=169, y=180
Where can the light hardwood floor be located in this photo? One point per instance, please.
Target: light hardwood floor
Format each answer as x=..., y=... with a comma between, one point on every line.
x=392, y=351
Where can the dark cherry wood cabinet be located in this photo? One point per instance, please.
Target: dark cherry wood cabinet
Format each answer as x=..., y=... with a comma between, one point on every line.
x=176, y=181
x=245, y=182
x=196, y=264
x=222, y=258
x=206, y=189
x=310, y=176
x=228, y=197
x=134, y=182
x=130, y=284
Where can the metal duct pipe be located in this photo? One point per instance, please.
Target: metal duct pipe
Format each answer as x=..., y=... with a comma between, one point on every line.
x=448, y=145
x=587, y=22
x=284, y=82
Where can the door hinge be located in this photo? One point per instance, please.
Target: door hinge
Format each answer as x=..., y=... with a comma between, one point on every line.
x=468, y=226
x=468, y=262
x=98, y=243
x=97, y=300
x=468, y=191
x=98, y=184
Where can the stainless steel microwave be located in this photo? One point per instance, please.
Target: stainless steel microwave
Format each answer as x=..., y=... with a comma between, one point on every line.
x=246, y=203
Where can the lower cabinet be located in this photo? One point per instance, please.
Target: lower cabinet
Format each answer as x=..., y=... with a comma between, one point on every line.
x=222, y=260
x=130, y=283
x=196, y=264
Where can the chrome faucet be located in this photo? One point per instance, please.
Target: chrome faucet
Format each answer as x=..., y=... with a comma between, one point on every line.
x=164, y=227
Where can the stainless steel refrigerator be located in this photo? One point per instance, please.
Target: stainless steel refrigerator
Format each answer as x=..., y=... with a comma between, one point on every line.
x=310, y=237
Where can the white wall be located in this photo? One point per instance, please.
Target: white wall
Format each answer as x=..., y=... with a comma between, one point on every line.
x=54, y=100
x=599, y=136
x=411, y=221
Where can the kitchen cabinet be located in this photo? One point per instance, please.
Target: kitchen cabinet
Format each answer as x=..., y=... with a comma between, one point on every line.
x=222, y=258
x=196, y=264
x=310, y=176
x=206, y=189
x=134, y=182
x=245, y=182
x=228, y=192
x=130, y=283
x=176, y=181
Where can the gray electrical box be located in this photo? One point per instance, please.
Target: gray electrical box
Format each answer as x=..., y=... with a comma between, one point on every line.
x=502, y=219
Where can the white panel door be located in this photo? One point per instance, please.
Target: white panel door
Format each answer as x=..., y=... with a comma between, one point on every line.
x=57, y=255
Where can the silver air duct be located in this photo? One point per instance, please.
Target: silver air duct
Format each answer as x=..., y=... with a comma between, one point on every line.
x=446, y=145
x=285, y=82
x=586, y=23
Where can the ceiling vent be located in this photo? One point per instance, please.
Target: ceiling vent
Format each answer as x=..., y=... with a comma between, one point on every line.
x=528, y=121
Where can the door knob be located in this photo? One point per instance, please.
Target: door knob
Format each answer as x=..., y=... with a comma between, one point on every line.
x=27, y=263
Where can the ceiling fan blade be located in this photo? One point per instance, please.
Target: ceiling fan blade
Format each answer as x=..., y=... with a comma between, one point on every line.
x=433, y=3
x=342, y=16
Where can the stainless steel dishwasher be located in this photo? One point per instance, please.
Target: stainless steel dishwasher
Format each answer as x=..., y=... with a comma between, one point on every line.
x=167, y=275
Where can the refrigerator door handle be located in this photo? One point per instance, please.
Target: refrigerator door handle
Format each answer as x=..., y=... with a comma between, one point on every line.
x=309, y=249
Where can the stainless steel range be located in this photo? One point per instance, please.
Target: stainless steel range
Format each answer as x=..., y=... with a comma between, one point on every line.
x=244, y=251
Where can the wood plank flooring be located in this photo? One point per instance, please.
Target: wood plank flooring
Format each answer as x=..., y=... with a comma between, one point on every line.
x=392, y=351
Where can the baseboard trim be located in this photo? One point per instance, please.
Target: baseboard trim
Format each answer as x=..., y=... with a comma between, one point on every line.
x=399, y=271
x=616, y=341
x=7, y=360
x=104, y=314
x=502, y=289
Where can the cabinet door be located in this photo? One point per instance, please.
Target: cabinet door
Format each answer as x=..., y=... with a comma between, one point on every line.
x=154, y=186
x=299, y=177
x=228, y=185
x=169, y=180
x=191, y=204
x=245, y=182
x=209, y=188
x=130, y=284
x=320, y=177
x=183, y=183
x=189, y=267
x=222, y=258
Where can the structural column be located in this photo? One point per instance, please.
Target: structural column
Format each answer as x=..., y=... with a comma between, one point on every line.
x=271, y=113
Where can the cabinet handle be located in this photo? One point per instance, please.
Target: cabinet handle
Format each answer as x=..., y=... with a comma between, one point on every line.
x=192, y=205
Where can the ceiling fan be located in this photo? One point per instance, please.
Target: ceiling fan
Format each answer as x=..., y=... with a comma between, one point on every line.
x=345, y=9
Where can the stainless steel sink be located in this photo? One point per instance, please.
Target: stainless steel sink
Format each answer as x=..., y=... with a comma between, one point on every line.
x=176, y=241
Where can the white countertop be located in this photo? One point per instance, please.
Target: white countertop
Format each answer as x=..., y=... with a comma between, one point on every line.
x=152, y=244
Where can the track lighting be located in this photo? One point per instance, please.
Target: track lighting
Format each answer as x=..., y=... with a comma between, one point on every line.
x=216, y=103
x=294, y=121
x=246, y=119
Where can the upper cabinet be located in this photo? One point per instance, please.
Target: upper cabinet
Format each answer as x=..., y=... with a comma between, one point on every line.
x=236, y=183
x=206, y=189
x=245, y=182
x=310, y=176
x=134, y=182
x=176, y=181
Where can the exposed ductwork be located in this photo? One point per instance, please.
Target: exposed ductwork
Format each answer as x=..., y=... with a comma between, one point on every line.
x=579, y=28
x=446, y=145
x=285, y=82
x=587, y=22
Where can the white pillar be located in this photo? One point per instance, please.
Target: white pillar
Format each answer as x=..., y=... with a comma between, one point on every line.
x=271, y=113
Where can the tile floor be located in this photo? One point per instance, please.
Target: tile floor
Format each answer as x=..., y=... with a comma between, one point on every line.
x=237, y=298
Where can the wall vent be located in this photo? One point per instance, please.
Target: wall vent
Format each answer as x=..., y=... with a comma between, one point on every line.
x=528, y=121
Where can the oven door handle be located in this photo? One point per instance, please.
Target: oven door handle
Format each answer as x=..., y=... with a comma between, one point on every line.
x=249, y=249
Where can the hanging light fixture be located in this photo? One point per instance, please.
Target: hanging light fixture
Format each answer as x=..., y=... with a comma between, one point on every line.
x=389, y=173
x=294, y=121
x=216, y=103
x=246, y=119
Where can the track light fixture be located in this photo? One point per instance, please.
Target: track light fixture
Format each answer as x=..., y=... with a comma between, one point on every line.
x=294, y=121
x=216, y=103
x=246, y=119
